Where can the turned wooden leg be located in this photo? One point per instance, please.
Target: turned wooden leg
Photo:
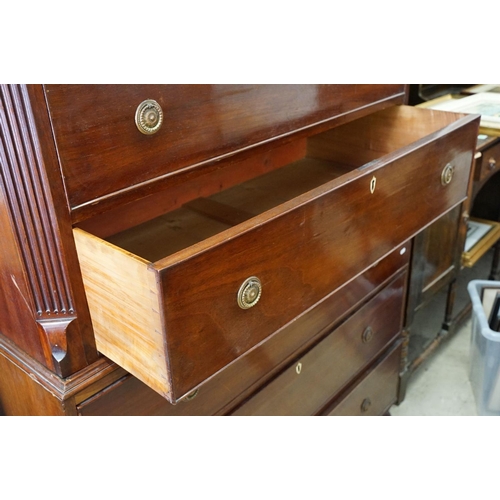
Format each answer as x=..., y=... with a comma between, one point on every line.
x=404, y=374
x=450, y=301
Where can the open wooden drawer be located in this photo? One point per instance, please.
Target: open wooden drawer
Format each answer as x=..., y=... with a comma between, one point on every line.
x=176, y=299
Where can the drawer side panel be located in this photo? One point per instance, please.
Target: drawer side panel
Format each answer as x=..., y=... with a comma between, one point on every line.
x=124, y=306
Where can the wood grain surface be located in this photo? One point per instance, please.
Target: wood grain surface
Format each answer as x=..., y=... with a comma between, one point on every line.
x=375, y=393
x=308, y=246
x=124, y=306
x=318, y=375
x=243, y=378
x=102, y=151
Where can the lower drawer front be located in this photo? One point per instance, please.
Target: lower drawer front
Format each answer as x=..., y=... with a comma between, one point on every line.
x=375, y=394
x=314, y=379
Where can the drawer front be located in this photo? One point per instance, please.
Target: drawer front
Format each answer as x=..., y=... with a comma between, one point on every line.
x=314, y=379
x=102, y=150
x=376, y=393
x=490, y=162
x=244, y=377
x=301, y=252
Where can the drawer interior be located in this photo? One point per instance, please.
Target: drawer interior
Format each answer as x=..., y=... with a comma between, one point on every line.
x=201, y=218
x=164, y=293
x=323, y=159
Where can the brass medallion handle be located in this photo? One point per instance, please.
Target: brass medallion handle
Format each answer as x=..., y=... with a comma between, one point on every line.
x=367, y=335
x=149, y=117
x=249, y=292
x=365, y=405
x=190, y=396
x=492, y=163
x=447, y=174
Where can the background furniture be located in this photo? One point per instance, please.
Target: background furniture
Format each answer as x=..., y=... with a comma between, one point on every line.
x=440, y=268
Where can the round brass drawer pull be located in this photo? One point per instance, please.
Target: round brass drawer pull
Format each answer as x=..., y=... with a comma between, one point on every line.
x=149, y=117
x=365, y=405
x=298, y=368
x=190, y=396
x=367, y=335
x=492, y=163
x=249, y=292
x=447, y=174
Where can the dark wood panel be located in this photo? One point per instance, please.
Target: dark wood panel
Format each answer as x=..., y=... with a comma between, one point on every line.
x=240, y=379
x=486, y=204
x=375, y=393
x=301, y=251
x=102, y=151
x=21, y=396
x=31, y=388
x=314, y=378
x=45, y=309
x=436, y=258
x=183, y=188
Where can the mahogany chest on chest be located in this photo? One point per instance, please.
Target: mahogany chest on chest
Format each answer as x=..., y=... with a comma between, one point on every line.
x=214, y=249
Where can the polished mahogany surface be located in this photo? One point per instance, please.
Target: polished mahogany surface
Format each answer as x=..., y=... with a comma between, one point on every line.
x=301, y=253
x=44, y=305
x=102, y=152
x=332, y=248
x=374, y=394
x=309, y=383
x=242, y=378
x=19, y=395
x=302, y=240
x=431, y=267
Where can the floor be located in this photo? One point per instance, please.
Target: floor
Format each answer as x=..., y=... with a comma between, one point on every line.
x=440, y=386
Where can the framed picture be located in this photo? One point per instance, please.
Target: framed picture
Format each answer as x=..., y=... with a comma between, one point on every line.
x=485, y=87
x=481, y=236
x=486, y=104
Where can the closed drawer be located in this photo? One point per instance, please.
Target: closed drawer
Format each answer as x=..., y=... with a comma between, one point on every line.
x=314, y=379
x=375, y=393
x=489, y=163
x=102, y=151
x=163, y=295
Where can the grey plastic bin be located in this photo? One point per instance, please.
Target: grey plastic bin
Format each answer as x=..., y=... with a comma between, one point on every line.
x=484, y=353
